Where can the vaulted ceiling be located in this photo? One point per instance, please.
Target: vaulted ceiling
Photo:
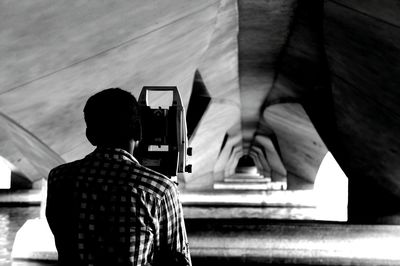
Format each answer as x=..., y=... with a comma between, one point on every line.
x=282, y=81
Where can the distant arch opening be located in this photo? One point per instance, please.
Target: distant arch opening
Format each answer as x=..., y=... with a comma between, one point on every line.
x=246, y=165
x=11, y=178
x=331, y=191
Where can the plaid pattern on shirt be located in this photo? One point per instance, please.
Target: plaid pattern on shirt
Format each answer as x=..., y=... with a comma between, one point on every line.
x=107, y=209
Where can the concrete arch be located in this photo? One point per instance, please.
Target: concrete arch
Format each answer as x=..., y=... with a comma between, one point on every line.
x=301, y=147
x=40, y=156
x=224, y=156
x=278, y=170
x=234, y=156
x=266, y=169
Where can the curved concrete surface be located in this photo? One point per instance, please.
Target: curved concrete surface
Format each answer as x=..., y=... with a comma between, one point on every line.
x=274, y=70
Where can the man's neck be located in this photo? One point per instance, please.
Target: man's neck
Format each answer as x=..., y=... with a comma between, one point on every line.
x=129, y=146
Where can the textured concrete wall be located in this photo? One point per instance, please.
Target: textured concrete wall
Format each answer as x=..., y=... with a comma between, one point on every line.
x=362, y=41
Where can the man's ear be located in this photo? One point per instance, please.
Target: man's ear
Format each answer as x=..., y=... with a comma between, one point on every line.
x=137, y=131
x=91, y=137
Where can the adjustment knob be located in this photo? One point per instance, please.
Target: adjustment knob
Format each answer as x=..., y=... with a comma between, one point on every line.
x=189, y=151
x=188, y=168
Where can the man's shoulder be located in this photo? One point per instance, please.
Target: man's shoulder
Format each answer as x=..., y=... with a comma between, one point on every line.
x=63, y=169
x=153, y=181
x=130, y=172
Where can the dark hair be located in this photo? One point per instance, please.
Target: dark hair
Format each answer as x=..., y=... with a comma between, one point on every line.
x=111, y=116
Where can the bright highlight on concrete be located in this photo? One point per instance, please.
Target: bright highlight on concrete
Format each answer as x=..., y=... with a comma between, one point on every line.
x=331, y=190
x=5, y=174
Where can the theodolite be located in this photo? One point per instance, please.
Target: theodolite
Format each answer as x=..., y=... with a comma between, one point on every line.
x=164, y=144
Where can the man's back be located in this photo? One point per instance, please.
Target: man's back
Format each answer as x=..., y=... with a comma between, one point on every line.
x=106, y=209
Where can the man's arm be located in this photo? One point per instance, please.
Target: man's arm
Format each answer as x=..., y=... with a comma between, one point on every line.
x=51, y=205
x=174, y=245
x=59, y=216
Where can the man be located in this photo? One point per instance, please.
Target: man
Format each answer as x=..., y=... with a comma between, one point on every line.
x=107, y=209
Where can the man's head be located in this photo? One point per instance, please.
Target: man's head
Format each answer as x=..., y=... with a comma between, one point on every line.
x=112, y=117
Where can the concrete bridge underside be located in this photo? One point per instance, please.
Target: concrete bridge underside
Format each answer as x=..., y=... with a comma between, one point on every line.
x=283, y=82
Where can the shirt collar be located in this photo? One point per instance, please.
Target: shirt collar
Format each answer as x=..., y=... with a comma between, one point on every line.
x=113, y=153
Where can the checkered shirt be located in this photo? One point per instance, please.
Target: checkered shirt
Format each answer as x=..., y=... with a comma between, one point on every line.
x=107, y=209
